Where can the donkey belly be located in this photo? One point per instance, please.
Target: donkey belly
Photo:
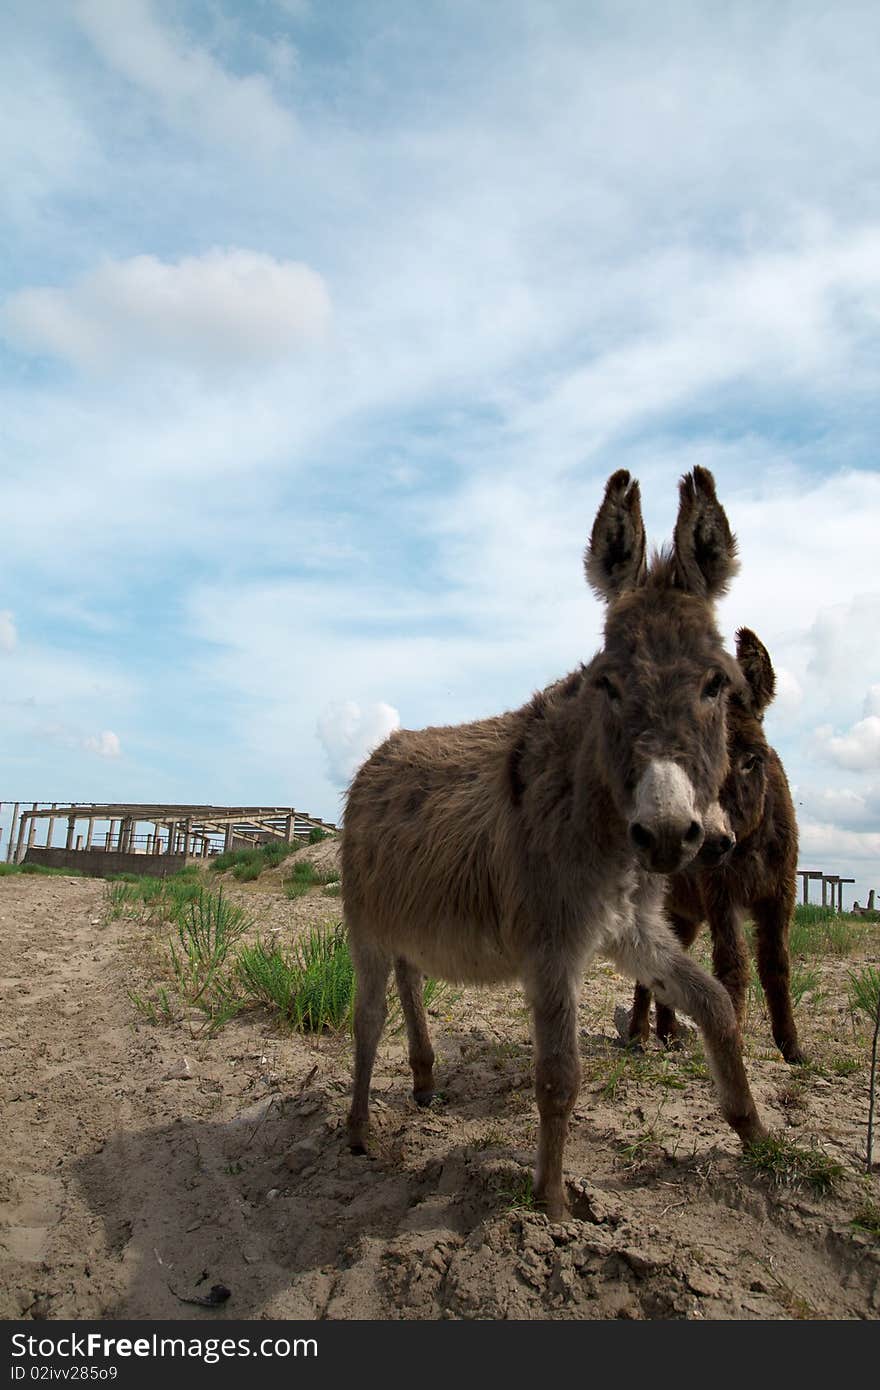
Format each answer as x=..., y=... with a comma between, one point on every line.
x=449, y=949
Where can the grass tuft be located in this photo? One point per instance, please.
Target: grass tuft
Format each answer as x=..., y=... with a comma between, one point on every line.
x=863, y=992
x=311, y=988
x=867, y=1218
x=786, y=1164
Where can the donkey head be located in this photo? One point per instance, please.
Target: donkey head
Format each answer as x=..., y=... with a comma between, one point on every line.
x=663, y=677
x=744, y=791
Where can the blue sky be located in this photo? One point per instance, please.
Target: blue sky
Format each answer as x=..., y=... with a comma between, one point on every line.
x=321, y=327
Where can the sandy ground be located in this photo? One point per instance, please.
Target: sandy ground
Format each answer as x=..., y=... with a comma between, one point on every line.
x=125, y=1189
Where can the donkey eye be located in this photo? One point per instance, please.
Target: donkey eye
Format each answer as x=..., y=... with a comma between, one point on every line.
x=607, y=686
x=750, y=763
x=714, y=685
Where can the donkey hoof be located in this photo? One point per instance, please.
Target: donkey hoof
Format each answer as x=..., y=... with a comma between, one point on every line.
x=794, y=1056
x=358, y=1149
x=423, y=1098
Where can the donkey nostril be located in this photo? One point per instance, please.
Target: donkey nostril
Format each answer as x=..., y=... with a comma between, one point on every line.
x=693, y=832
x=726, y=844
x=641, y=836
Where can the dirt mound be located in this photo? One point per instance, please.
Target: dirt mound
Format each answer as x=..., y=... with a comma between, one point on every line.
x=143, y=1163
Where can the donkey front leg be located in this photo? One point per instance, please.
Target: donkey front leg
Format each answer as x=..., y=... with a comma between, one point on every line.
x=772, y=920
x=410, y=987
x=730, y=955
x=654, y=955
x=668, y=1029
x=372, y=968
x=557, y=1081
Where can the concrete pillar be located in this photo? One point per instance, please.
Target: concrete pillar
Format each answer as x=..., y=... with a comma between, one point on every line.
x=50, y=828
x=289, y=827
x=91, y=831
x=187, y=833
x=12, y=829
x=227, y=838
x=172, y=831
x=79, y=842
x=19, y=847
x=32, y=833
x=71, y=829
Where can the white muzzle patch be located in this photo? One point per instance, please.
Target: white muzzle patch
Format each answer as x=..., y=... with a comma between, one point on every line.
x=664, y=796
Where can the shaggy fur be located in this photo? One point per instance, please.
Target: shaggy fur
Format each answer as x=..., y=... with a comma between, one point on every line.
x=503, y=849
x=757, y=879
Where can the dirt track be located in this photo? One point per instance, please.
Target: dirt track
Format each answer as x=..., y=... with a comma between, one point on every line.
x=122, y=1191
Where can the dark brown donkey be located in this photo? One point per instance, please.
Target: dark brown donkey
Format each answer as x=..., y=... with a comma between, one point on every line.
x=523, y=845
x=757, y=878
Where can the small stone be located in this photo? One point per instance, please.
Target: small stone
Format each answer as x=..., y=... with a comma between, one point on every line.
x=273, y=1193
x=180, y=1071
x=250, y=1254
x=704, y=1284
x=302, y=1155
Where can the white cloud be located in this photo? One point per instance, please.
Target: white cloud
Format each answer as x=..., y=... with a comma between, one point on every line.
x=872, y=701
x=349, y=734
x=224, y=308
x=858, y=749
x=842, y=807
x=192, y=90
x=837, y=846
x=8, y=632
x=106, y=744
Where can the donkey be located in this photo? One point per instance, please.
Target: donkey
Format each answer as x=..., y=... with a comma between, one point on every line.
x=520, y=846
x=757, y=876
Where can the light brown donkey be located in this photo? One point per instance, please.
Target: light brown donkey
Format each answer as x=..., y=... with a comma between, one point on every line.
x=523, y=845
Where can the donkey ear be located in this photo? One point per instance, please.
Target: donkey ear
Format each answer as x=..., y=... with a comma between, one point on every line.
x=614, y=560
x=754, y=660
x=705, y=546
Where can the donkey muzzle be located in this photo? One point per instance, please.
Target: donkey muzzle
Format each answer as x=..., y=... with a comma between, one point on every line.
x=665, y=830
x=719, y=840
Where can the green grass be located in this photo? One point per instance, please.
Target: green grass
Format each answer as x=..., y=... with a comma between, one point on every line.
x=819, y=931
x=306, y=876
x=784, y=1163
x=206, y=930
x=803, y=980
x=867, y=1218
x=655, y=1069
x=863, y=992
x=43, y=869
x=311, y=987
x=248, y=864
x=517, y=1192
x=164, y=899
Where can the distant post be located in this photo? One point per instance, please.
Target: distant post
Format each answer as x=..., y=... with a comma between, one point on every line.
x=12, y=829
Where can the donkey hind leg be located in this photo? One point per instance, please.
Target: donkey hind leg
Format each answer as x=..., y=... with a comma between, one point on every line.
x=668, y=1028
x=651, y=952
x=640, y=1017
x=557, y=1081
x=772, y=917
x=410, y=987
x=372, y=967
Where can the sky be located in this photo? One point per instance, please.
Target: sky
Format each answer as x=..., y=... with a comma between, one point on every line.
x=322, y=326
